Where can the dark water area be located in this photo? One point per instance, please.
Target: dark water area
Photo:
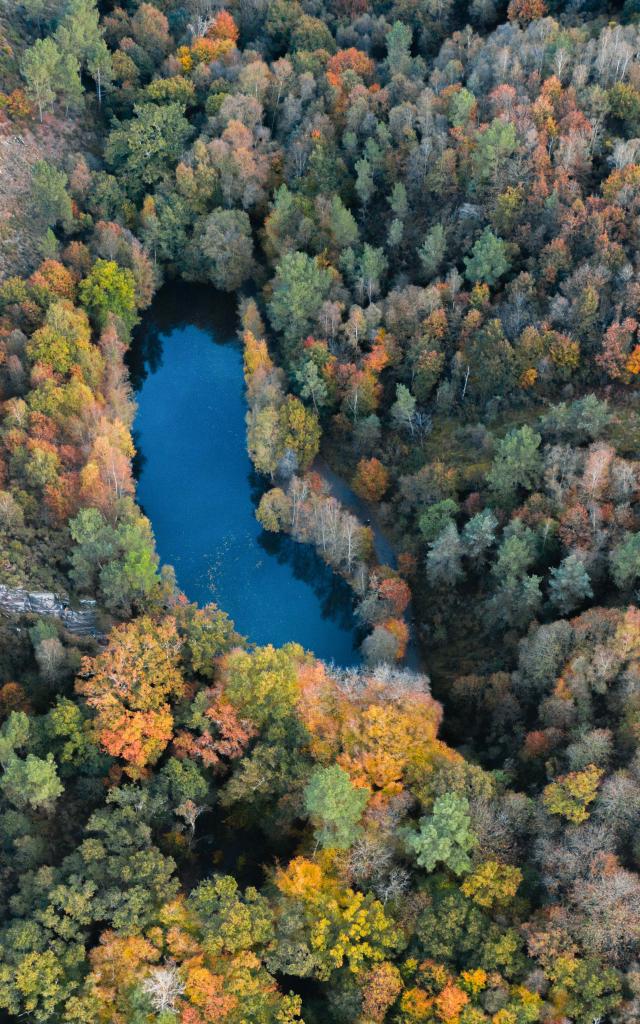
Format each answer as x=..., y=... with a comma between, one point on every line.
x=197, y=486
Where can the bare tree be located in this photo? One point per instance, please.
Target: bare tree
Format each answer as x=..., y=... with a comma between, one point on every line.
x=164, y=986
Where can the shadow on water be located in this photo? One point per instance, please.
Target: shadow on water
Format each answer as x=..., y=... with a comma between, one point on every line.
x=175, y=307
x=197, y=485
x=334, y=594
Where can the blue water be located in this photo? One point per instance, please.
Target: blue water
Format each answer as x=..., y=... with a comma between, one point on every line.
x=197, y=486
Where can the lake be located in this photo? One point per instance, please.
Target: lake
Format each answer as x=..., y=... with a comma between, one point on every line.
x=197, y=485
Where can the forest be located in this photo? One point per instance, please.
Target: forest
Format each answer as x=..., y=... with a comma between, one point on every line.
x=428, y=212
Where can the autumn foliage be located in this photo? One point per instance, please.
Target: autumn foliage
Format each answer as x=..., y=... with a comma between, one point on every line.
x=130, y=687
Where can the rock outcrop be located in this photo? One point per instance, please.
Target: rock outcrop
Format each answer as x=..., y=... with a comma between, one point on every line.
x=82, y=621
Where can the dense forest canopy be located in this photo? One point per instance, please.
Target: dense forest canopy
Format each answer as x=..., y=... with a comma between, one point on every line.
x=429, y=211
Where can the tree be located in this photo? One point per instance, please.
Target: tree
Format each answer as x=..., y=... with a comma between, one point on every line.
x=118, y=563
x=39, y=69
x=624, y=561
x=342, y=225
x=69, y=84
x=227, y=246
x=403, y=410
x=371, y=268
x=371, y=479
x=516, y=553
x=445, y=836
x=492, y=883
x=100, y=67
x=129, y=687
x=300, y=286
x=495, y=143
x=30, y=781
x=569, y=584
x=364, y=181
x=516, y=464
x=49, y=196
x=40, y=11
x=488, y=261
x=479, y=534
x=148, y=148
x=398, y=43
x=274, y=511
x=79, y=31
x=380, y=647
x=355, y=930
x=299, y=432
x=437, y=517
x=570, y=795
x=312, y=384
x=525, y=11
x=150, y=29
x=109, y=290
x=262, y=684
x=432, y=251
x=335, y=806
x=444, y=558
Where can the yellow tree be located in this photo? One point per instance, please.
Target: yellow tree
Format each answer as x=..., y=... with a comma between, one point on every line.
x=130, y=685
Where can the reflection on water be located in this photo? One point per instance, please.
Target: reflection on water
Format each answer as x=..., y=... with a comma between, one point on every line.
x=197, y=485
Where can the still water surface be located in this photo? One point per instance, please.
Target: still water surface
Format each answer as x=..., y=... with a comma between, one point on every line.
x=197, y=486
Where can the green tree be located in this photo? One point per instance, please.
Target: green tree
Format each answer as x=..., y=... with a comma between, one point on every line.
x=445, y=837
x=40, y=11
x=398, y=201
x=132, y=579
x=403, y=410
x=50, y=200
x=129, y=876
x=79, y=31
x=147, y=148
x=517, y=464
x=311, y=34
x=30, y=781
x=432, y=251
x=624, y=561
x=300, y=287
x=516, y=554
x=311, y=383
x=335, y=806
x=438, y=516
x=371, y=268
x=118, y=563
x=444, y=558
x=100, y=67
x=479, y=534
x=461, y=107
x=495, y=145
x=364, y=181
x=569, y=584
x=516, y=602
x=39, y=69
x=69, y=85
x=488, y=261
x=109, y=289
x=586, y=989
x=262, y=684
x=342, y=225
x=398, y=43
x=227, y=247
